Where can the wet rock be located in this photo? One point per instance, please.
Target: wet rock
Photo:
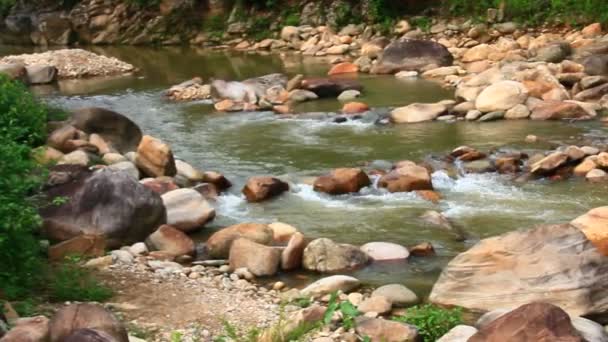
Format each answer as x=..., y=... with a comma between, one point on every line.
x=260, y=260
x=126, y=167
x=82, y=245
x=331, y=284
x=492, y=116
x=170, y=240
x=260, y=189
x=188, y=172
x=85, y=316
x=557, y=110
x=155, y=158
x=104, y=202
x=325, y=87
x=218, y=245
x=291, y=257
x=342, y=181
x=412, y=54
x=460, y=333
x=586, y=166
x=518, y=112
x=117, y=130
x=187, y=210
x=417, y=112
x=531, y=322
x=503, y=271
x=355, y=108
x=160, y=185
x=377, y=304
x=501, y=96
x=343, y=68
x=219, y=180
x=593, y=225
x=549, y=164
x=422, y=249
x=324, y=255
x=382, y=251
x=596, y=176
x=349, y=95
x=378, y=329
x=406, y=178
x=300, y=95
x=397, y=294
x=228, y=105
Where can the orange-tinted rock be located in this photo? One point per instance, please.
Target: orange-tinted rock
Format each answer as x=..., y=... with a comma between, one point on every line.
x=594, y=224
x=355, y=108
x=291, y=257
x=259, y=259
x=160, y=185
x=282, y=109
x=557, y=110
x=429, y=195
x=218, y=179
x=219, y=243
x=422, y=249
x=155, y=158
x=343, y=68
x=259, y=189
x=83, y=245
x=407, y=178
x=342, y=181
x=170, y=240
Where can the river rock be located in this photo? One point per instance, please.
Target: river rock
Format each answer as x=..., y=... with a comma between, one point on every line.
x=113, y=158
x=501, y=96
x=586, y=166
x=553, y=53
x=541, y=322
x=188, y=172
x=382, y=251
x=326, y=87
x=90, y=335
x=549, y=163
x=355, y=108
x=126, y=167
x=557, y=110
x=593, y=225
x=331, y=284
x=596, y=176
x=378, y=329
x=282, y=232
x=187, y=210
x=155, y=158
x=104, y=202
x=160, y=185
x=170, y=240
x=116, y=129
x=260, y=189
x=460, y=333
x=349, y=95
x=85, y=316
x=377, y=304
x=59, y=137
x=324, y=255
x=14, y=71
x=520, y=111
x=41, y=74
x=77, y=157
x=397, y=294
x=291, y=257
x=342, y=181
x=31, y=329
x=301, y=95
x=406, y=178
x=596, y=65
x=81, y=245
x=412, y=54
x=503, y=272
x=343, y=68
x=417, y=112
x=260, y=260
x=237, y=92
x=218, y=245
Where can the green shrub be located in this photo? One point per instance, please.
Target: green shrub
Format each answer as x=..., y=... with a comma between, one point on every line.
x=144, y=3
x=22, y=126
x=432, y=321
x=68, y=281
x=5, y=6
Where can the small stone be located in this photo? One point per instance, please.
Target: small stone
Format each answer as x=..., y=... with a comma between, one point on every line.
x=377, y=304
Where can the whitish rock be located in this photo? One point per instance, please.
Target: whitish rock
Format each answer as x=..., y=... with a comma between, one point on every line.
x=417, y=112
x=349, y=95
x=331, y=284
x=520, y=111
x=187, y=209
x=397, y=294
x=380, y=251
x=501, y=96
x=460, y=333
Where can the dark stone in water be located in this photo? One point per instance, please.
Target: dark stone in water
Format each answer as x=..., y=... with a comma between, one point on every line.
x=340, y=120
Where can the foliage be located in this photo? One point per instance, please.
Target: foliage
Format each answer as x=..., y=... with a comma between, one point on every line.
x=291, y=17
x=5, y=6
x=144, y=3
x=302, y=302
x=22, y=125
x=176, y=336
x=69, y=281
x=260, y=28
x=421, y=22
x=432, y=321
x=346, y=308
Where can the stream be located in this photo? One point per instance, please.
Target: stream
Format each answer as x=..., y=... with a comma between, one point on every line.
x=246, y=144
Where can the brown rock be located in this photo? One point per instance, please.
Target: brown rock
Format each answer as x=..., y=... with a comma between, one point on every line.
x=260, y=189
x=507, y=164
x=602, y=160
x=85, y=316
x=219, y=243
x=378, y=329
x=342, y=181
x=557, y=110
x=291, y=258
x=326, y=87
x=116, y=129
x=429, y=195
x=98, y=141
x=535, y=322
x=472, y=156
x=324, y=255
x=160, y=185
x=354, y=108
x=155, y=158
x=260, y=260
x=228, y=106
x=343, y=68
x=585, y=166
x=217, y=179
x=549, y=164
x=592, y=30
x=407, y=178
x=282, y=109
x=208, y=190
x=83, y=245
x=171, y=240
x=377, y=304
x=34, y=329
x=60, y=136
x=282, y=232
x=594, y=225
x=422, y=249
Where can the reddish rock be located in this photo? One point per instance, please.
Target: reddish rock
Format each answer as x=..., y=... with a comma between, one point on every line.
x=407, y=178
x=557, y=110
x=342, y=181
x=343, y=68
x=429, y=195
x=171, y=240
x=83, y=245
x=160, y=185
x=355, y=108
x=291, y=258
x=259, y=189
x=535, y=322
x=155, y=158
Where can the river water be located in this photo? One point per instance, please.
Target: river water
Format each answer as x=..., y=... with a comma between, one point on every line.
x=246, y=144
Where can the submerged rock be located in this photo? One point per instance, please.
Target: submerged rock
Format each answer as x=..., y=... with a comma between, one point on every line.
x=329, y=87
x=118, y=131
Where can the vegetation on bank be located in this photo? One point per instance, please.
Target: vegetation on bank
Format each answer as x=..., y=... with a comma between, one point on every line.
x=24, y=270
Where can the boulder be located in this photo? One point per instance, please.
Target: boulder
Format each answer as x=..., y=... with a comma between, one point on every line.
x=14, y=71
x=329, y=87
x=377, y=304
x=116, y=129
x=417, y=112
x=349, y=95
x=41, y=74
x=406, y=178
x=170, y=240
x=188, y=172
x=324, y=255
x=126, y=167
x=586, y=166
x=235, y=92
x=260, y=260
x=103, y=202
x=397, y=294
x=555, y=264
x=343, y=68
x=85, y=316
x=557, y=110
x=535, y=322
x=549, y=163
x=219, y=180
x=260, y=189
x=596, y=65
x=282, y=232
x=155, y=158
x=90, y=335
x=82, y=245
x=412, y=54
x=342, y=181
x=378, y=329
x=160, y=185
x=187, y=209
x=291, y=257
x=383, y=251
x=218, y=245
x=290, y=33
x=32, y=329
x=594, y=225
x=355, y=108
x=501, y=96
x=460, y=333
x=331, y=284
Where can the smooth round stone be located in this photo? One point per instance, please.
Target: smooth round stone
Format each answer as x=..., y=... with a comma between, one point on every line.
x=397, y=294
x=380, y=251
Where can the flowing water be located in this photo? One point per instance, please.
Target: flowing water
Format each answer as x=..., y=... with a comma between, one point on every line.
x=246, y=144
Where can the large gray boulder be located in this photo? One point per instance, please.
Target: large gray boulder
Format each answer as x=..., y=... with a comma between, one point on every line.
x=412, y=54
x=104, y=202
x=116, y=129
